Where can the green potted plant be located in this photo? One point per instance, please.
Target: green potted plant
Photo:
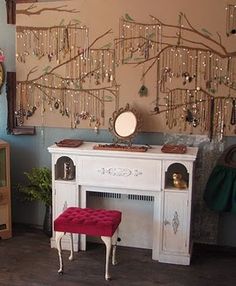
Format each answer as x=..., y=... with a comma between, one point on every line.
x=39, y=188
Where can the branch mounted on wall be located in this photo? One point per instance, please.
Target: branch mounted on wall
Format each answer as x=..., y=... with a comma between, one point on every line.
x=192, y=68
x=31, y=10
x=13, y=126
x=68, y=51
x=11, y=9
x=61, y=42
x=78, y=81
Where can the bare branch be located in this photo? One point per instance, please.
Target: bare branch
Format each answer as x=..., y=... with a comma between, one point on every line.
x=147, y=70
x=98, y=38
x=89, y=90
x=193, y=30
x=32, y=29
x=204, y=36
x=69, y=60
x=219, y=36
x=33, y=70
x=28, y=11
x=208, y=48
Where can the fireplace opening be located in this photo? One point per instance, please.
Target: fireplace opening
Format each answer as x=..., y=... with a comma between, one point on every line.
x=136, y=228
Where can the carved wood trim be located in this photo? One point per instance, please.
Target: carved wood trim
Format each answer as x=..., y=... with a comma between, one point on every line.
x=11, y=11
x=12, y=127
x=11, y=100
x=23, y=130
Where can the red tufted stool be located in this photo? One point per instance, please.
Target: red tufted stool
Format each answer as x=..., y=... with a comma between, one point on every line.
x=95, y=222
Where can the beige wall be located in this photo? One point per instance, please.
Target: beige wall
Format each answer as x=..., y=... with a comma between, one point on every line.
x=102, y=15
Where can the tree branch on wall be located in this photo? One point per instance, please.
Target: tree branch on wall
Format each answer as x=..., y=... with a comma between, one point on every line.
x=66, y=93
x=29, y=11
x=206, y=37
x=11, y=9
x=80, y=52
x=190, y=57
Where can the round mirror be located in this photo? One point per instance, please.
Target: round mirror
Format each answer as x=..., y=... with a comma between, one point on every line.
x=124, y=124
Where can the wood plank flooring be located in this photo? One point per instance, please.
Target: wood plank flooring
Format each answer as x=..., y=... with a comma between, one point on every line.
x=27, y=260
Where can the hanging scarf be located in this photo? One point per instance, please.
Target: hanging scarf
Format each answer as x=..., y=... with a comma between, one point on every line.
x=220, y=191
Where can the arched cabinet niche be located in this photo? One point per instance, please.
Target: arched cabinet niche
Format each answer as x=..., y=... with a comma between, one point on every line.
x=65, y=169
x=176, y=215
x=176, y=177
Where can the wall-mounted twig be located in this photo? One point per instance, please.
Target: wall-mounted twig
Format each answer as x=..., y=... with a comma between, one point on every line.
x=28, y=11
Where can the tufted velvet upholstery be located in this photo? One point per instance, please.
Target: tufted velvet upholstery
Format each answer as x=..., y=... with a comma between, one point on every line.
x=96, y=222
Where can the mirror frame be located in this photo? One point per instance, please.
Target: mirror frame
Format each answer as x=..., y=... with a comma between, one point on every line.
x=112, y=123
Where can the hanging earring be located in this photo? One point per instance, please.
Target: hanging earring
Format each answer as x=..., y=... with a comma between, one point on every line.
x=96, y=127
x=143, y=91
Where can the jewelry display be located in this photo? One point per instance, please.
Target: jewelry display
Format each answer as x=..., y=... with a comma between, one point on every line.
x=83, y=104
x=231, y=20
x=57, y=43
x=191, y=74
x=137, y=41
x=195, y=73
x=143, y=91
x=88, y=82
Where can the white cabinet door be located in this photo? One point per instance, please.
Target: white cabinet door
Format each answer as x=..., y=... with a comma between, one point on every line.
x=175, y=222
x=65, y=195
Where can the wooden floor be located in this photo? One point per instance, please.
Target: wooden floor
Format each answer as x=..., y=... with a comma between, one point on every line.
x=27, y=259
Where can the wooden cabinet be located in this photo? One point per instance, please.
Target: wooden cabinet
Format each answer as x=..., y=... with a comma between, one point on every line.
x=166, y=179
x=175, y=226
x=5, y=194
x=65, y=195
x=176, y=213
x=65, y=191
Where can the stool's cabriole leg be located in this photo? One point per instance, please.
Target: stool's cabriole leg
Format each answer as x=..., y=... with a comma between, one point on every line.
x=71, y=247
x=114, y=242
x=58, y=238
x=107, y=241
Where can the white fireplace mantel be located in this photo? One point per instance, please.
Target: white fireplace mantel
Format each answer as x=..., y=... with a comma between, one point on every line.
x=131, y=173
